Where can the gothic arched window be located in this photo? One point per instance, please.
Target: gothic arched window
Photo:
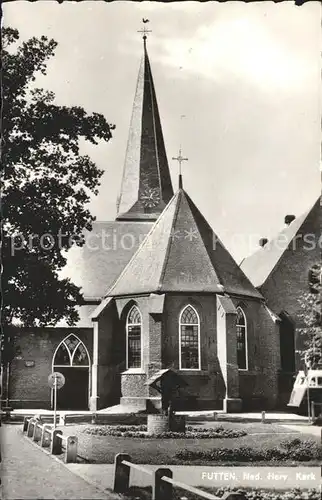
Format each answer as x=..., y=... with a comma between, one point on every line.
x=242, y=360
x=189, y=339
x=71, y=352
x=133, y=338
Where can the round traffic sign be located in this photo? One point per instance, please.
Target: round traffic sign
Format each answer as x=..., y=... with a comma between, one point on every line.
x=56, y=378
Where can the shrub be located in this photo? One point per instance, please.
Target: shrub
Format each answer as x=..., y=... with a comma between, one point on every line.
x=291, y=443
x=261, y=494
x=294, y=494
x=140, y=431
x=296, y=450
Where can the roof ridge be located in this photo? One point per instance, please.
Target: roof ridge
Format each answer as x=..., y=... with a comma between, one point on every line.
x=304, y=215
x=167, y=254
x=259, y=265
x=153, y=115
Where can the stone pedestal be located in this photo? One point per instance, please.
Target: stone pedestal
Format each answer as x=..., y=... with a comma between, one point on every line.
x=93, y=403
x=178, y=423
x=136, y=404
x=158, y=424
x=161, y=423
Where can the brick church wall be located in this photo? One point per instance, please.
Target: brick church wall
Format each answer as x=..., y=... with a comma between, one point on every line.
x=205, y=387
x=258, y=385
x=161, y=350
x=111, y=358
x=28, y=385
x=133, y=388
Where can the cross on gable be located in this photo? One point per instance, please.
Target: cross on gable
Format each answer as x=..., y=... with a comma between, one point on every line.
x=180, y=159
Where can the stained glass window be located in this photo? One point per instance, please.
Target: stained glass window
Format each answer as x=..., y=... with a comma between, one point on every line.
x=134, y=317
x=71, y=342
x=189, y=339
x=241, y=340
x=133, y=330
x=80, y=357
x=70, y=352
x=62, y=356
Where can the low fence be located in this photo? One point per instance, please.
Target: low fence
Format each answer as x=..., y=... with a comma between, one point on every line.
x=65, y=418
x=46, y=436
x=162, y=482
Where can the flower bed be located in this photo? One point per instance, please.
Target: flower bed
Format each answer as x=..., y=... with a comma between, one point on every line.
x=295, y=449
x=140, y=431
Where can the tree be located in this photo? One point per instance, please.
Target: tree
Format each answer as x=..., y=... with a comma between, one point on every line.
x=47, y=184
x=311, y=317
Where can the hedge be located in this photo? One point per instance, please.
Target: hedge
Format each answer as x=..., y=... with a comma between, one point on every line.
x=261, y=494
x=140, y=431
x=294, y=449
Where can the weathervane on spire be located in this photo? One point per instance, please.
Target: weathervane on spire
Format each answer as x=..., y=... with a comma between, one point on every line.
x=180, y=159
x=144, y=29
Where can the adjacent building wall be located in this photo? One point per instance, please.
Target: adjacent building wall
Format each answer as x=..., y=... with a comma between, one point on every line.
x=28, y=385
x=288, y=282
x=258, y=385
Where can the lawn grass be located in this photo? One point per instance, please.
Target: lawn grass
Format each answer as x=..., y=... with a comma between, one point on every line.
x=102, y=449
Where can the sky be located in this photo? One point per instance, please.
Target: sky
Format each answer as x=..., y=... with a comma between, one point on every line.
x=238, y=86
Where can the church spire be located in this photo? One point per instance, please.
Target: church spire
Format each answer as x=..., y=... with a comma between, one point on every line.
x=146, y=185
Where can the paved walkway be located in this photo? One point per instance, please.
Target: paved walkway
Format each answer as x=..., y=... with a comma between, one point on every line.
x=314, y=430
x=29, y=473
x=206, y=414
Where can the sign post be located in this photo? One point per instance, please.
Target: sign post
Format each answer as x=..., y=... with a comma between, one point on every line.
x=56, y=380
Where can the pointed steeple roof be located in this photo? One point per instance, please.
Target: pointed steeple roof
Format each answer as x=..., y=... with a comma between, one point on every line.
x=181, y=253
x=146, y=185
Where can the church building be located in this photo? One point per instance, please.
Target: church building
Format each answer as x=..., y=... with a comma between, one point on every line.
x=161, y=291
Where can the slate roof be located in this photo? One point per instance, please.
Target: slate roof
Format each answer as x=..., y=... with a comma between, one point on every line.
x=100, y=308
x=227, y=305
x=146, y=185
x=108, y=248
x=181, y=253
x=259, y=266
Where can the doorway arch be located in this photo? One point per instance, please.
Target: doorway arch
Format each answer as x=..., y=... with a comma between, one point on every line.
x=71, y=358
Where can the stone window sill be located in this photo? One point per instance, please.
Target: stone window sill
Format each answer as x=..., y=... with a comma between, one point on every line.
x=249, y=372
x=193, y=372
x=134, y=371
